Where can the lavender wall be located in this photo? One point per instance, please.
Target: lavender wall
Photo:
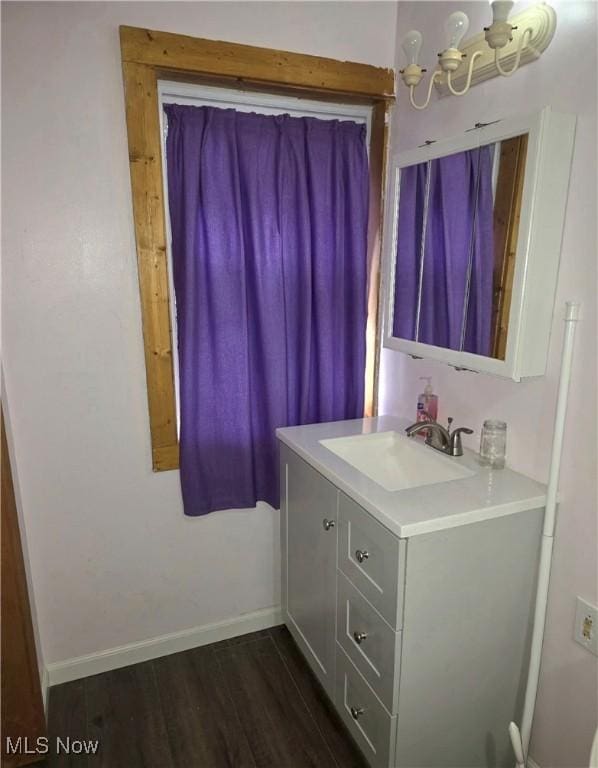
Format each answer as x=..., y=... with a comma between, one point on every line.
x=567, y=708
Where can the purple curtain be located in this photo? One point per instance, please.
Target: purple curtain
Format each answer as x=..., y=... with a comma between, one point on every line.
x=269, y=246
x=410, y=229
x=478, y=324
x=456, y=264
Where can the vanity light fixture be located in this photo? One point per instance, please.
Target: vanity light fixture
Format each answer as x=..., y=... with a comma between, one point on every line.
x=533, y=30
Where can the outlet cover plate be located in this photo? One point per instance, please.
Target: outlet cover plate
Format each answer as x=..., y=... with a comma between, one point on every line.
x=586, y=626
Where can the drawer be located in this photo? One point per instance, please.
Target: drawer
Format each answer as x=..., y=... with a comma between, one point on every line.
x=371, y=644
x=373, y=558
x=369, y=723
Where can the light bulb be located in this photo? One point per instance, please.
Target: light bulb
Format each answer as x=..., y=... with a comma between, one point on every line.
x=412, y=45
x=501, y=10
x=456, y=27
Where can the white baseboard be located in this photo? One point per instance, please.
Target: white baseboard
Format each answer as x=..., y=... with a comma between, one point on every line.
x=133, y=653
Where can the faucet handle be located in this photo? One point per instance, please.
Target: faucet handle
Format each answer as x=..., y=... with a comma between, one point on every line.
x=456, y=446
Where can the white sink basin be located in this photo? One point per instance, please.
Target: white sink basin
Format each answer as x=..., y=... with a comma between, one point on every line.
x=395, y=461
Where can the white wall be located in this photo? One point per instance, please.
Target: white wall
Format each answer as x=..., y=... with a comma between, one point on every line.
x=113, y=559
x=565, y=78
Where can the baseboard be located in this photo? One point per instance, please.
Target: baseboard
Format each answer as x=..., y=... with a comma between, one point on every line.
x=532, y=763
x=133, y=653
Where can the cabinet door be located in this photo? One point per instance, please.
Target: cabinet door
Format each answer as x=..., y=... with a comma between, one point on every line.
x=310, y=532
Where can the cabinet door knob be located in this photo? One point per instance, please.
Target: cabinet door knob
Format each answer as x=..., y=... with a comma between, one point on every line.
x=356, y=711
x=359, y=637
x=361, y=555
x=328, y=524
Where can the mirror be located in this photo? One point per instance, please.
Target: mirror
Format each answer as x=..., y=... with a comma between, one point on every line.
x=473, y=241
x=458, y=221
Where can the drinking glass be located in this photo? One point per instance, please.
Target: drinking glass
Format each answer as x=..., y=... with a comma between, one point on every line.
x=493, y=444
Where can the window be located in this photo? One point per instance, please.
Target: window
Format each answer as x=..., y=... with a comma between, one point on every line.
x=149, y=56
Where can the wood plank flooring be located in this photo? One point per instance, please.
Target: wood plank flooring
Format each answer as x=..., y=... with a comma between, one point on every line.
x=249, y=702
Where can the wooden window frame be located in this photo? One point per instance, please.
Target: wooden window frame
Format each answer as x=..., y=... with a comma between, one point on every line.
x=148, y=56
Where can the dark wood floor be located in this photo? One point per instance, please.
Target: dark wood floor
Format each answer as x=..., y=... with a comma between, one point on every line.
x=249, y=702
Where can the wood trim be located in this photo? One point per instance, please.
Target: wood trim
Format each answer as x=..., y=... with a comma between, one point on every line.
x=167, y=52
x=22, y=706
x=378, y=160
x=166, y=457
x=143, y=128
x=148, y=55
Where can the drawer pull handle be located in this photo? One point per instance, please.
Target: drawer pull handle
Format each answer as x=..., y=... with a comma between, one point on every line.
x=359, y=637
x=328, y=524
x=356, y=712
x=361, y=555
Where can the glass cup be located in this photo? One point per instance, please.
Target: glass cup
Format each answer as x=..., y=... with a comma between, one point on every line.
x=493, y=444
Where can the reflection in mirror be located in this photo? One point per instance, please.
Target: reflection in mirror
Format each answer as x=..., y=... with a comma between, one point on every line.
x=456, y=241
x=413, y=199
x=507, y=209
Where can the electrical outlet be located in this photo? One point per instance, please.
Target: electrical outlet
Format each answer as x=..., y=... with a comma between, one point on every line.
x=586, y=626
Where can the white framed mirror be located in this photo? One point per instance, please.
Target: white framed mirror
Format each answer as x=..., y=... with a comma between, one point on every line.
x=472, y=247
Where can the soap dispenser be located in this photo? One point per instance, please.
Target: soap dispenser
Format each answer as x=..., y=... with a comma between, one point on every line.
x=427, y=402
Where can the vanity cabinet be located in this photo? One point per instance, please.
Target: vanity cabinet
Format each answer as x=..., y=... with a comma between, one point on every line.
x=310, y=554
x=421, y=642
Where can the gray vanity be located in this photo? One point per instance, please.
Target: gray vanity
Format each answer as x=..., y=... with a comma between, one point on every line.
x=408, y=581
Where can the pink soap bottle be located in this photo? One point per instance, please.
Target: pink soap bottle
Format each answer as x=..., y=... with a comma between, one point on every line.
x=427, y=403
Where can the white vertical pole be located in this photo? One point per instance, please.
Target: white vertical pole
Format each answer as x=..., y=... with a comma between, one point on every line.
x=521, y=740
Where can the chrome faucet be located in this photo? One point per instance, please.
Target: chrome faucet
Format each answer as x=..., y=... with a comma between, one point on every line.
x=440, y=438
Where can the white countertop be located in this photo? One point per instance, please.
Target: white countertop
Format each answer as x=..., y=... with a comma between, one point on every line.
x=483, y=496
